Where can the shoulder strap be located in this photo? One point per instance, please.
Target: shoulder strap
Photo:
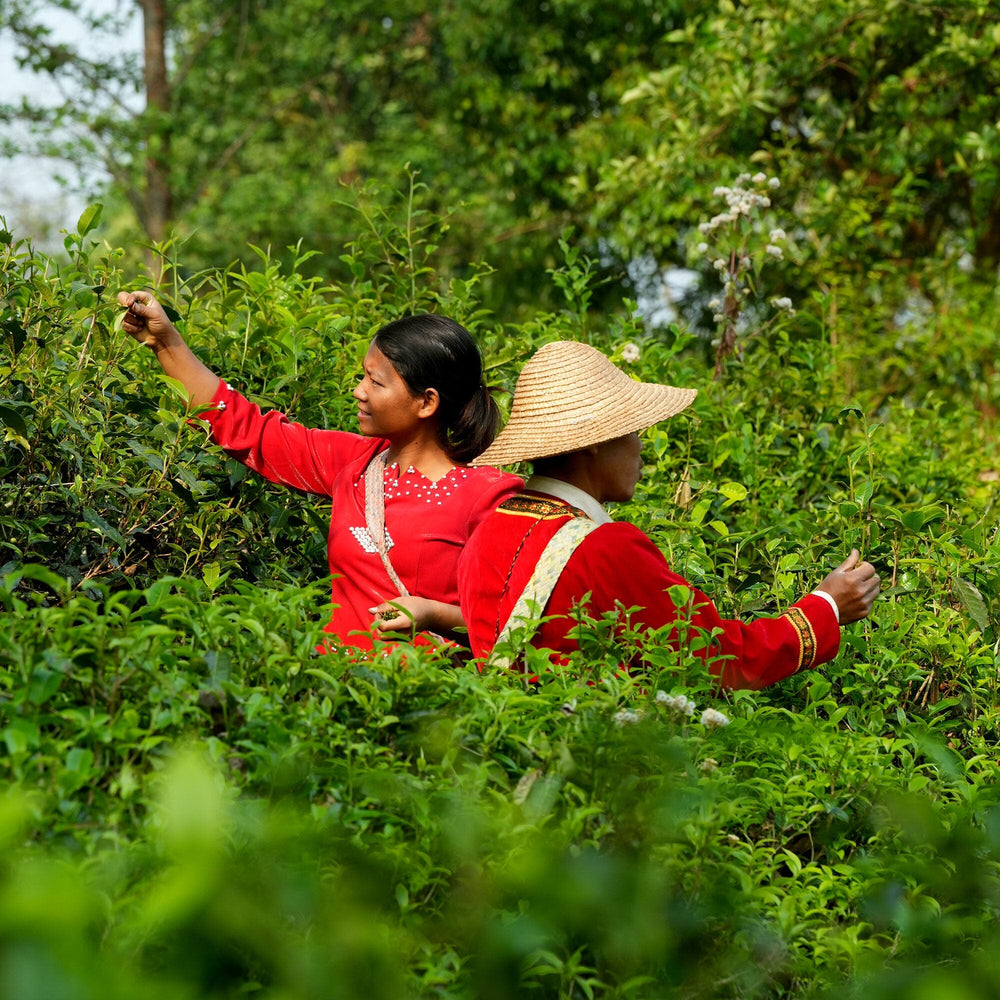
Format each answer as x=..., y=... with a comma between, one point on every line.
x=543, y=580
x=375, y=514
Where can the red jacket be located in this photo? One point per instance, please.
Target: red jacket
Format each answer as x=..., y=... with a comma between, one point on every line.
x=427, y=522
x=618, y=566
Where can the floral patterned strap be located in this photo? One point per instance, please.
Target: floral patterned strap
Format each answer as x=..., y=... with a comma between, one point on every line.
x=543, y=580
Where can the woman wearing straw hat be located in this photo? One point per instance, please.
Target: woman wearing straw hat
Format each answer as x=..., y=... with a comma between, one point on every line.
x=576, y=418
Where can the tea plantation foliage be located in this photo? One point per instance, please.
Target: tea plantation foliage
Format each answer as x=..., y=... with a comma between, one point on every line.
x=197, y=805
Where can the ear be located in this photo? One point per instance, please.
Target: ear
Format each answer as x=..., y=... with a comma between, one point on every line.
x=429, y=403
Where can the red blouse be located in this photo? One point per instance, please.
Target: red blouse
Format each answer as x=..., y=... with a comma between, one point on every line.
x=427, y=523
x=618, y=566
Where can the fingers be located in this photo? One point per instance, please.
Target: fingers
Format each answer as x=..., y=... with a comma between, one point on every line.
x=864, y=585
x=850, y=562
x=134, y=319
x=144, y=318
x=864, y=580
x=865, y=577
x=135, y=301
x=854, y=585
x=390, y=617
x=856, y=569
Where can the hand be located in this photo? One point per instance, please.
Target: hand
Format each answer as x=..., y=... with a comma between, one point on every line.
x=854, y=585
x=416, y=614
x=147, y=321
x=394, y=616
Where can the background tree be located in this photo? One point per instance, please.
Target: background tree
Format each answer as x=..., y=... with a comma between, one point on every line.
x=97, y=118
x=263, y=112
x=879, y=121
x=525, y=119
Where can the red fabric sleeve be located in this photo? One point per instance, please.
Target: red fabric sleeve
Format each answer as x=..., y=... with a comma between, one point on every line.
x=617, y=563
x=281, y=450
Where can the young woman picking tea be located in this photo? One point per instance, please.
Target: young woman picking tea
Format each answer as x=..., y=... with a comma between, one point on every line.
x=404, y=500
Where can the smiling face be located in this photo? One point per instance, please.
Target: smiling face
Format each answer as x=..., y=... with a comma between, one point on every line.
x=618, y=468
x=386, y=407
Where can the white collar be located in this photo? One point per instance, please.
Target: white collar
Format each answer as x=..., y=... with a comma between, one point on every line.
x=571, y=494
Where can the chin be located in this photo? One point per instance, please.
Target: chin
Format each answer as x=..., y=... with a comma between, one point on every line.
x=623, y=497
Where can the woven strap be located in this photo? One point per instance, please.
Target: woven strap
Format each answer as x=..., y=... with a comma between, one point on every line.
x=375, y=515
x=543, y=580
x=375, y=522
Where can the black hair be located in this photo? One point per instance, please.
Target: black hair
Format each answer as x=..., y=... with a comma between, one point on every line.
x=430, y=351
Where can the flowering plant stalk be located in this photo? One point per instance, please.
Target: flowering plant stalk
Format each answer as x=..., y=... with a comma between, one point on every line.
x=738, y=243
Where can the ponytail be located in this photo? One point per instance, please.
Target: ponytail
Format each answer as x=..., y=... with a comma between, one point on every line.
x=476, y=427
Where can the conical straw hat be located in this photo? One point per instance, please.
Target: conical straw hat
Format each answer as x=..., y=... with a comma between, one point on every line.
x=570, y=396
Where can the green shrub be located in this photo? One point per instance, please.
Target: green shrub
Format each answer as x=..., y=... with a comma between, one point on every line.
x=199, y=805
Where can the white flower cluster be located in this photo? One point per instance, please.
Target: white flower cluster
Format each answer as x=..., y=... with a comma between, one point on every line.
x=678, y=703
x=631, y=353
x=777, y=236
x=713, y=719
x=734, y=247
x=740, y=200
x=681, y=705
x=625, y=718
x=716, y=306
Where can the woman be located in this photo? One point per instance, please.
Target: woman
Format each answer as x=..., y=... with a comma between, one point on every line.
x=404, y=499
x=576, y=417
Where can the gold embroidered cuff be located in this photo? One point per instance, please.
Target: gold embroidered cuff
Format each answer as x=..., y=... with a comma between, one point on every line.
x=806, y=635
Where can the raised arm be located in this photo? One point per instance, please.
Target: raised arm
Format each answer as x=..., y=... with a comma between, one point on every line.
x=147, y=322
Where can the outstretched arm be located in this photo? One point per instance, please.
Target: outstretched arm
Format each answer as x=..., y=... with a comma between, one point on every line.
x=752, y=654
x=147, y=322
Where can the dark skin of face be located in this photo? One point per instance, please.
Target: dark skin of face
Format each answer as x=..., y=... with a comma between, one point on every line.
x=608, y=471
x=618, y=466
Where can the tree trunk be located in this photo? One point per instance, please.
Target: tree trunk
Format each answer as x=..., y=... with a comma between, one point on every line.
x=158, y=205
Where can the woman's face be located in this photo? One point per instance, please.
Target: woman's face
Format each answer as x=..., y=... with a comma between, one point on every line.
x=386, y=407
x=619, y=468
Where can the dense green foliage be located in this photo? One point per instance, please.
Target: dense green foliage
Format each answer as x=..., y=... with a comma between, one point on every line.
x=197, y=805
x=618, y=119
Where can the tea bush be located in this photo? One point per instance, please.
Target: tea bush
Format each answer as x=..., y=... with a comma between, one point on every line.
x=199, y=805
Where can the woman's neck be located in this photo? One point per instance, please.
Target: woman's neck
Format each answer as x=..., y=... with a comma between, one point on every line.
x=427, y=457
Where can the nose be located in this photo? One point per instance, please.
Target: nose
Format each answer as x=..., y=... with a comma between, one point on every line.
x=359, y=392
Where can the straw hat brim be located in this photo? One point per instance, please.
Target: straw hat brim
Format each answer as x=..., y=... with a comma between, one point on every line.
x=570, y=396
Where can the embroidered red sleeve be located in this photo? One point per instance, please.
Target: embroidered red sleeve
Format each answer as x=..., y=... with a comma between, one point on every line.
x=618, y=563
x=281, y=450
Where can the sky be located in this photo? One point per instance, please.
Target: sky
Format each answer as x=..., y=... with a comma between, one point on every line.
x=32, y=201
x=27, y=185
